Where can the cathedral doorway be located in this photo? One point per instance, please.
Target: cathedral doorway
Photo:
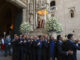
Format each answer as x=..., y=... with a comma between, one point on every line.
x=10, y=17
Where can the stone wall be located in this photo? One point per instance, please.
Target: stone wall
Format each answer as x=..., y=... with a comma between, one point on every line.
x=70, y=25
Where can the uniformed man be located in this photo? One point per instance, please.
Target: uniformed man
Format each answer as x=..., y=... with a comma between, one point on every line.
x=52, y=48
x=39, y=48
x=27, y=47
x=70, y=45
x=15, y=46
x=45, y=47
x=21, y=48
x=60, y=53
x=34, y=48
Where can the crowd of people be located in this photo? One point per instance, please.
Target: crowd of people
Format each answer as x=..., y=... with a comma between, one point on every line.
x=41, y=47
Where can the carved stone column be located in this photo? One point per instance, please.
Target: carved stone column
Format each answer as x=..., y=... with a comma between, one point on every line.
x=24, y=15
x=34, y=13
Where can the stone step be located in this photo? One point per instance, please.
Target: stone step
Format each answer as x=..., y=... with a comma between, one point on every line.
x=40, y=31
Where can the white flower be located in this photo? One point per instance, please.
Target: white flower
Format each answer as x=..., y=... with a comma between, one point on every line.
x=25, y=27
x=53, y=25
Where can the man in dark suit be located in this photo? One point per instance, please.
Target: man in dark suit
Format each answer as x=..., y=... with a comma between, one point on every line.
x=70, y=45
x=27, y=46
x=21, y=47
x=45, y=48
x=15, y=46
x=34, y=48
x=39, y=48
x=60, y=53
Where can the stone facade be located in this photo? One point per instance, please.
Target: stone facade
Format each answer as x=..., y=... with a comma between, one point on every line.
x=62, y=12
x=70, y=24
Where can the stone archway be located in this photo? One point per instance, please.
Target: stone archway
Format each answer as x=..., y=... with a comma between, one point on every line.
x=9, y=14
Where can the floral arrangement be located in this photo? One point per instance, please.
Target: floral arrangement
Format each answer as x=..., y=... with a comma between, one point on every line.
x=53, y=25
x=25, y=27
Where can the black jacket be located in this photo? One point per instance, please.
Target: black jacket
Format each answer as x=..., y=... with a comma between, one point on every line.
x=70, y=45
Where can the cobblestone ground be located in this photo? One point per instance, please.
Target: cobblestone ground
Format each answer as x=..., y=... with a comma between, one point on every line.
x=2, y=57
x=78, y=55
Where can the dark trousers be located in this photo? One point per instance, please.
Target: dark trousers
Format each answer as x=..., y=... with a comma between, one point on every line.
x=34, y=54
x=59, y=58
x=21, y=53
x=45, y=54
x=16, y=53
x=28, y=54
x=7, y=50
x=39, y=54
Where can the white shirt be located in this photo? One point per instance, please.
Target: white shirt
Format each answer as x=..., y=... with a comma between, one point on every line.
x=2, y=41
